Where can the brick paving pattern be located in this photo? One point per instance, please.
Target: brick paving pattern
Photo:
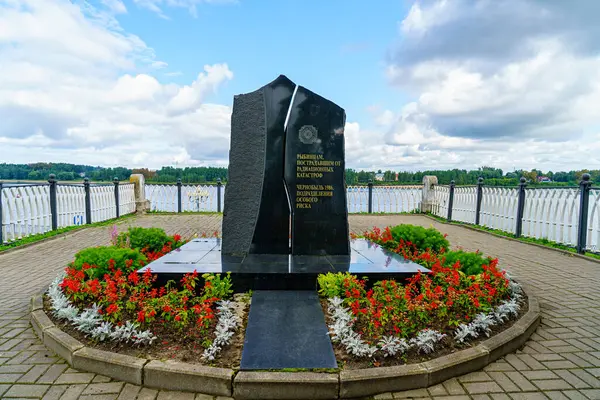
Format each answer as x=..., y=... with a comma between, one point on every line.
x=560, y=361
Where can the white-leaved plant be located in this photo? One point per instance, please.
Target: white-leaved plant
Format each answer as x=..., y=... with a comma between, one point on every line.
x=90, y=320
x=426, y=340
x=483, y=322
x=390, y=346
x=227, y=323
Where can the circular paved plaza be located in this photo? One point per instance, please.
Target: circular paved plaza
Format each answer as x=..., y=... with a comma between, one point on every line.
x=560, y=361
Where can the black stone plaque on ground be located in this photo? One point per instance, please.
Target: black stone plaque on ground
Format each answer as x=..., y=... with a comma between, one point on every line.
x=256, y=213
x=314, y=175
x=286, y=329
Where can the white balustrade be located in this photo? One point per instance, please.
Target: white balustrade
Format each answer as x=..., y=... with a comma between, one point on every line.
x=357, y=198
x=25, y=211
x=464, y=204
x=397, y=199
x=552, y=214
x=198, y=197
x=593, y=233
x=70, y=205
x=126, y=198
x=162, y=197
x=441, y=197
x=499, y=208
x=102, y=199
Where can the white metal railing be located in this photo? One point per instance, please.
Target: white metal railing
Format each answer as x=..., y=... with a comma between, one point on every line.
x=499, y=208
x=386, y=199
x=25, y=211
x=70, y=205
x=200, y=197
x=126, y=198
x=552, y=214
x=162, y=197
x=102, y=199
x=441, y=197
x=464, y=204
x=593, y=233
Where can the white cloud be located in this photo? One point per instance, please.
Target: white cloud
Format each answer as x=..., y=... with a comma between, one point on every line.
x=505, y=83
x=116, y=6
x=69, y=91
x=157, y=6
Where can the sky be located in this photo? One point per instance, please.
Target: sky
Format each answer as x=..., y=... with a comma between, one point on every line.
x=429, y=84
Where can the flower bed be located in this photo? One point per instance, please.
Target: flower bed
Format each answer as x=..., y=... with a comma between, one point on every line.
x=102, y=300
x=465, y=298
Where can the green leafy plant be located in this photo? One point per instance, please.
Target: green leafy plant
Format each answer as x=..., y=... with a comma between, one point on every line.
x=217, y=286
x=99, y=258
x=148, y=239
x=470, y=263
x=335, y=285
x=422, y=238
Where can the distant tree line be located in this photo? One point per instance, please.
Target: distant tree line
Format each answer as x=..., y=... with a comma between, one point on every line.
x=492, y=176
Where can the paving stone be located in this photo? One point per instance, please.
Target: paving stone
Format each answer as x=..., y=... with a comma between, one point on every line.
x=9, y=378
x=34, y=374
x=382, y=396
x=559, y=364
x=556, y=395
x=528, y=396
x=147, y=394
x=170, y=395
x=82, y=377
x=592, y=394
x=407, y=394
x=98, y=397
x=552, y=384
x=503, y=380
x=26, y=390
x=587, y=377
x=478, y=376
x=55, y=392
x=572, y=379
x=453, y=387
x=437, y=390
x=520, y=381
x=545, y=374
x=101, y=379
x=102, y=388
x=482, y=387
x=129, y=392
x=3, y=388
x=500, y=396
x=52, y=373
x=12, y=369
x=574, y=395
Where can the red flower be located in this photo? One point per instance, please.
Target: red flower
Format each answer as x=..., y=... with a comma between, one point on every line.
x=113, y=308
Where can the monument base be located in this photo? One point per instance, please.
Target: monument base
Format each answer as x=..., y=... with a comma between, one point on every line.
x=281, y=271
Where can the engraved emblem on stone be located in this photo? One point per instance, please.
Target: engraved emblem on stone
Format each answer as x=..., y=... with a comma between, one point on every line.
x=308, y=134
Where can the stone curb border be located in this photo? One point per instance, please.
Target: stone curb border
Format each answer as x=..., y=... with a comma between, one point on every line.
x=541, y=246
x=173, y=375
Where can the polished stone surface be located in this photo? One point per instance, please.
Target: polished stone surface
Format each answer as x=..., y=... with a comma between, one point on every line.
x=256, y=212
x=314, y=171
x=286, y=329
x=281, y=271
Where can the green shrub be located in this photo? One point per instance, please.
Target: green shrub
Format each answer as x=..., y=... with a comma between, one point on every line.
x=138, y=238
x=99, y=257
x=335, y=285
x=470, y=263
x=423, y=238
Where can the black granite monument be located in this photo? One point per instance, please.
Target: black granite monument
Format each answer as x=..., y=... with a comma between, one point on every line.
x=278, y=171
x=256, y=213
x=286, y=163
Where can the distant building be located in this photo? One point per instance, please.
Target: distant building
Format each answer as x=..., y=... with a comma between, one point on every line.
x=379, y=177
x=82, y=174
x=543, y=179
